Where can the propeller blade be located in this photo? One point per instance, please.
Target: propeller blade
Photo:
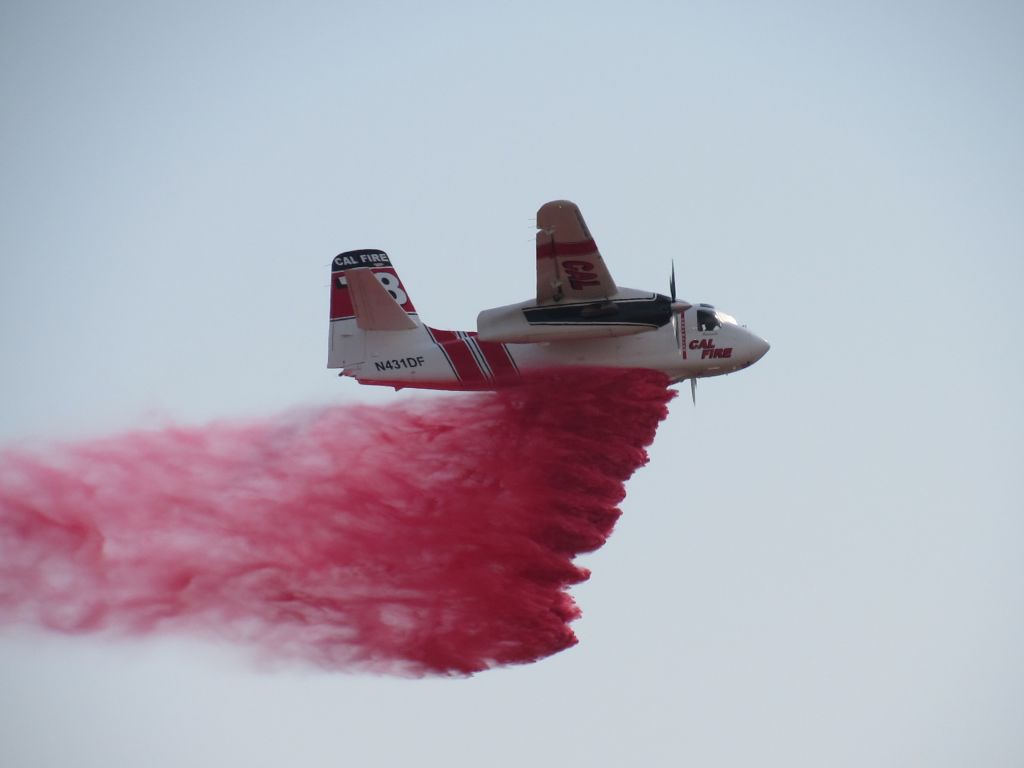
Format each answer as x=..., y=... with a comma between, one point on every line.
x=693, y=390
x=675, y=310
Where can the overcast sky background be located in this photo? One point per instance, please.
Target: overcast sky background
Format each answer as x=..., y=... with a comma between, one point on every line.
x=822, y=563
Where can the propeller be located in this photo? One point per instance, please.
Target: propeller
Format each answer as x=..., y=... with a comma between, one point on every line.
x=675, y=314
x=678, y=307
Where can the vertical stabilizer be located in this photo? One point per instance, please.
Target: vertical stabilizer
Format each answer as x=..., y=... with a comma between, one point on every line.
x=358, y=306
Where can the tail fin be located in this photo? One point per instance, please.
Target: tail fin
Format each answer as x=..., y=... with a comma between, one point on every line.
x=366, y=295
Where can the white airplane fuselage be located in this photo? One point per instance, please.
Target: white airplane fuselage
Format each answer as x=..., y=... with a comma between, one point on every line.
x=579, y=317
x=433, y=359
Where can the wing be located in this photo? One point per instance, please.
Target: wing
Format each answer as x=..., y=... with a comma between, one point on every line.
x=569, y=266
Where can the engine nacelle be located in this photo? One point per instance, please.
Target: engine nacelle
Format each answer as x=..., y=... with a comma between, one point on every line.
x=629, y=312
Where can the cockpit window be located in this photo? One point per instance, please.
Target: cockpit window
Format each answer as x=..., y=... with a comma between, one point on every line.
x=709, y=318
x=706, y=320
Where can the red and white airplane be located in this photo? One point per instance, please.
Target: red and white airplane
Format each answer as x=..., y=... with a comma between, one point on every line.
x=580, y=317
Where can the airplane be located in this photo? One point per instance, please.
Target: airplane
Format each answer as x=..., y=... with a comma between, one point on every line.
x=579, y=317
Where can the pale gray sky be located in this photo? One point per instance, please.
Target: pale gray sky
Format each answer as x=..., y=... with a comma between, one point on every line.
x=821, y=564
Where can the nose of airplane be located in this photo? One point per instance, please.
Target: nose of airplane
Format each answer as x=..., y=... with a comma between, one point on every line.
x=758, y=348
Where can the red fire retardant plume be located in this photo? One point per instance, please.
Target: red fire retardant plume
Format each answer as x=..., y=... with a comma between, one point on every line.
x=432, y=536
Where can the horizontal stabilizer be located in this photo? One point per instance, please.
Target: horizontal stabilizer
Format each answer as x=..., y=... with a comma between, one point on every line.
x=375, y=308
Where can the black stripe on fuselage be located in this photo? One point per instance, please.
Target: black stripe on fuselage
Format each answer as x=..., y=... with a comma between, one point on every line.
x=653, y=312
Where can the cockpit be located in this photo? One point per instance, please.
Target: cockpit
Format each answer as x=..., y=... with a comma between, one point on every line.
x=709, y=318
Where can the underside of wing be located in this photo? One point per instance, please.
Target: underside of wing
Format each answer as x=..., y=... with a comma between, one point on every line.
x=569, y=265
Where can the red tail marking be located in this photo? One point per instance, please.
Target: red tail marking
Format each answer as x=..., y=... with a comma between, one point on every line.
x=341, y=300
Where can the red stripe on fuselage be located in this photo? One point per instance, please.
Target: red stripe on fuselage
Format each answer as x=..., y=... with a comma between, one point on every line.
x=682, y=332
x=500, y=361
x=462, y=360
